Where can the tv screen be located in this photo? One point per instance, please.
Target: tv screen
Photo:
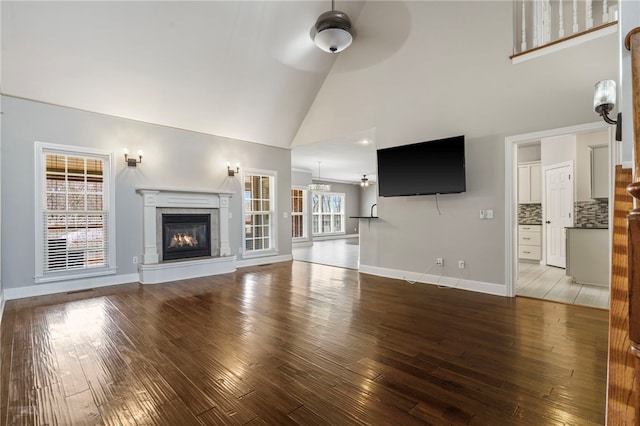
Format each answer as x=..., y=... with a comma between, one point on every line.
x=433, y=167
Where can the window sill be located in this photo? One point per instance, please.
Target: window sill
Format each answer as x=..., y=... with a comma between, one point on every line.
x=69, y=276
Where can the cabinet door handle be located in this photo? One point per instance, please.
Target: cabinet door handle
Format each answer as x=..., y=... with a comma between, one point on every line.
x=526, y=252
x=526, y=238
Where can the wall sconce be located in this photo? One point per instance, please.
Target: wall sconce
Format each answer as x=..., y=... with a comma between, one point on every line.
x=364, y=182
x=132, y=162
x=604, y=101
x=232, y=172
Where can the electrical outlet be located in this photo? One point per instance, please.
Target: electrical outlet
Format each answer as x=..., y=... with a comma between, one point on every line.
x=461, y=264
x=135, y=260
x=440, y=261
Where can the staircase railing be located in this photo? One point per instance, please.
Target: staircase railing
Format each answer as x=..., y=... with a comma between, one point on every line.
x=540, y=23
x=632, y=42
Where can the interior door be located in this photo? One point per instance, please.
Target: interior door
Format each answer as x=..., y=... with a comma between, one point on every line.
x=557, y=211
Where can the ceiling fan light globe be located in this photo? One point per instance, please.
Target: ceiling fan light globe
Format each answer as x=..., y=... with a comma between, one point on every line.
x=333, y=40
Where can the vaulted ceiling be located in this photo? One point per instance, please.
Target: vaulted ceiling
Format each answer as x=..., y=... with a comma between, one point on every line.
x=248, y=70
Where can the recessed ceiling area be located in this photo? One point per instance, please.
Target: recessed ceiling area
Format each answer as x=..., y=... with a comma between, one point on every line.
x=343, y=159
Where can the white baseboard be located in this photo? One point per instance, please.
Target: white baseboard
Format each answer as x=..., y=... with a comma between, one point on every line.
x=263, y=260
x=71, y=285
x=1, y=305
x=453, y=282
x=298, y=244
x=335, y=237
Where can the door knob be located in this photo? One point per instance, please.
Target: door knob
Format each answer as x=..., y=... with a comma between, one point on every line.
x=548, y=221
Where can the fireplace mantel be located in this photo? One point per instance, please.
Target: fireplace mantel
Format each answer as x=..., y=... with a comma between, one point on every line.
x=150, y=268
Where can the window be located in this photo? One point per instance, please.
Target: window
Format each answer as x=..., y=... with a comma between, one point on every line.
x=258, y=212
x=74, y=224
x=327, y=213
x=298, y=229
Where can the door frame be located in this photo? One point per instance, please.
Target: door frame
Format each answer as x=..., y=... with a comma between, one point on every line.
x=572, y=168
x=511, y=188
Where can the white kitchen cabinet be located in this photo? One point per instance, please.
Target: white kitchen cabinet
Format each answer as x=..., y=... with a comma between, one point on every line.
x=529, y=183
x=599, y=171
x=530, y=242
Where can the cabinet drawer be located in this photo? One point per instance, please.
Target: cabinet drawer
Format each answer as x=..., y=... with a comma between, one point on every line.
x=529, y=252
x=530, y=228
x=529, y=238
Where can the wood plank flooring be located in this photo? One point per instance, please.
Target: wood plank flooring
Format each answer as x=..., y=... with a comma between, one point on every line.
x=300, y=344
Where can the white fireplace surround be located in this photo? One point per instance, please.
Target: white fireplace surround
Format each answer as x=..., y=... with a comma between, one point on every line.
x=151, y=270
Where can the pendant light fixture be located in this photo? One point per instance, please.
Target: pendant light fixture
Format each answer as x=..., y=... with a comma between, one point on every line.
x=332, y=31
x=364, y=182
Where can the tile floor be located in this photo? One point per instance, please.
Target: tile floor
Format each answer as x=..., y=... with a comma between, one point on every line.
x=550, y=283
x=343, y=253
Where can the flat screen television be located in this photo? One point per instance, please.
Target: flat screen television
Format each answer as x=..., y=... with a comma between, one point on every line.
x=433, y=167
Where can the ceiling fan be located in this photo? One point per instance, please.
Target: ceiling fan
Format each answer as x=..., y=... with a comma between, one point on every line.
x=332, y=31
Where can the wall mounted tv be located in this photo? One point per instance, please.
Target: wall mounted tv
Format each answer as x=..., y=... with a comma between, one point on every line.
x=433, y=167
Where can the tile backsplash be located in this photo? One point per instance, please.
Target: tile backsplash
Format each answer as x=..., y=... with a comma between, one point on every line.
x=593, y=213
x=530, y=214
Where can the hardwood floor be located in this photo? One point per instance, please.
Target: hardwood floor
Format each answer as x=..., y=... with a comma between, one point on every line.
x=300, y=343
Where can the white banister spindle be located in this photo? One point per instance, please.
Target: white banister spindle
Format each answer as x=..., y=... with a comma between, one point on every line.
x=605, y=11
x=575, y=16
x=589, y=20
x=560, y=19
x=546, y=21
x=523, y=43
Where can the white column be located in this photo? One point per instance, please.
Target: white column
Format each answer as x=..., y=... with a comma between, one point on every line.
x=575, y=17
x=225, y=248
x=605, y=11
x=150, y=249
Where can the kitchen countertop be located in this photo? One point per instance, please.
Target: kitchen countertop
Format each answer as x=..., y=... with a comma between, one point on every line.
x=587, y=227
x=529, y=223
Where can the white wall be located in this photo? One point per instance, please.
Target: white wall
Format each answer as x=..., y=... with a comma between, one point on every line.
x=558, y=149
x=527, y=153
x=629, y=19
x=451, y=75
x=173, y=158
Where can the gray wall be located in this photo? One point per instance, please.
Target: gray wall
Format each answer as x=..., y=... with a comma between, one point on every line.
x=410, y=233
x=172, y=158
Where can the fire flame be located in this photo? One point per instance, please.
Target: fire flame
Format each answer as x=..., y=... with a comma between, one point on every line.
x=183, y=239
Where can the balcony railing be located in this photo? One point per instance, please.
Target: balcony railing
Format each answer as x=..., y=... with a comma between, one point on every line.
x=540, y=23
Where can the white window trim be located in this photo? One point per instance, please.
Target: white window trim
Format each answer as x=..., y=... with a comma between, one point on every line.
x=39, y=179
x=305, y=213
x=274, y=218
x=344, y=213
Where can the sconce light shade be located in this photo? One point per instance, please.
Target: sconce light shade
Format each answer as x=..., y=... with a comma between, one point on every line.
x=332, y=31
x=231, y=172
x=132, y=162
x=604, y=101
x=604, y=96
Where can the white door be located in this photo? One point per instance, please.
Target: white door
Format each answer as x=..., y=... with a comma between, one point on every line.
x=558, y=211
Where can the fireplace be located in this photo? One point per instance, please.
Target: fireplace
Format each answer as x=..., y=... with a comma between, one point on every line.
x=186, y=236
